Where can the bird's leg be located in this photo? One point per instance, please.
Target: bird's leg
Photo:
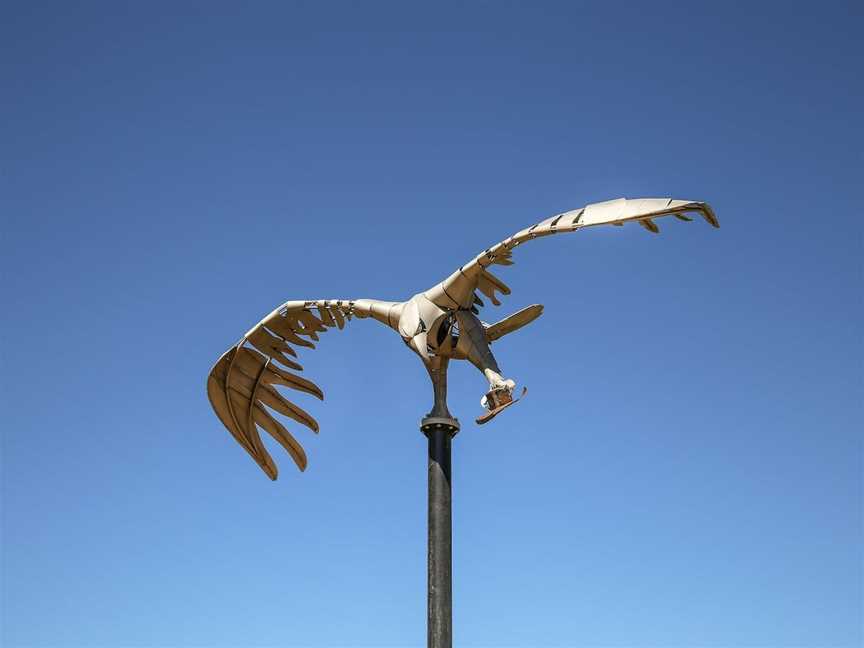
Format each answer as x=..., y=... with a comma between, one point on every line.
x=497, y=381
x=476, y=349
x=437, y=368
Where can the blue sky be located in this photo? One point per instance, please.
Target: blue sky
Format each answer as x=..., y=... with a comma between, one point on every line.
x=687, y=468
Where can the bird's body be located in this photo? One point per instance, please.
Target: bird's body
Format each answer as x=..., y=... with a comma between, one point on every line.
x=440, y=324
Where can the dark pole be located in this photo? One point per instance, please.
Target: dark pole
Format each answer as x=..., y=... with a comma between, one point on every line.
x=439, y=633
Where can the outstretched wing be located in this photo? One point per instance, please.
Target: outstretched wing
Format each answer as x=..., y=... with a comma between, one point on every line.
x=460, y=289
x=243, y=381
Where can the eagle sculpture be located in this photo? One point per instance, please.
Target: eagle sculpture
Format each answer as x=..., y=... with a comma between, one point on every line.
x=439, y=325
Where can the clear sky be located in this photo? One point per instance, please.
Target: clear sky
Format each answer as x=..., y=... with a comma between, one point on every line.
x=687, y=467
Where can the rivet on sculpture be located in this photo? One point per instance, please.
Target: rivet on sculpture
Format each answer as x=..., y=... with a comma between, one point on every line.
x=439, y=324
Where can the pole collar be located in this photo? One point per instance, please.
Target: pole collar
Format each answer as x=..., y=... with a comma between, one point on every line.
x=450, y=425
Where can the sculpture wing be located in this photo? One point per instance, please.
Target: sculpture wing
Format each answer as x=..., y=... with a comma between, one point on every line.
x=460, y=289
x=243, y=381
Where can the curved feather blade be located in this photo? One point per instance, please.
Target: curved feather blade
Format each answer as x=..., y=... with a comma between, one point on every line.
x=337, y=315
x=649, y=225
x=242, y=384
x=281, y=326
x=278, y=432
x=473, y=276
x=265, y=394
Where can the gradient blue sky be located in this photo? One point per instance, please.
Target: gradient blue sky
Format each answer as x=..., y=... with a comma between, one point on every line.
x=687, y=469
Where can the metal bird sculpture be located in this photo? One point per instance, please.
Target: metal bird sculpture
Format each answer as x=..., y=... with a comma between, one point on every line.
x=439, y=325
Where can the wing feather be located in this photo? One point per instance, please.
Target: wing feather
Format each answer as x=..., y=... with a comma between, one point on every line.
x=242, y=384
x=460, y=287
x=340, y=319
x=263, y=392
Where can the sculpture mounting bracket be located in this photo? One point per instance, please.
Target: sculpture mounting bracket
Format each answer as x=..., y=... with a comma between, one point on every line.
x=448, y=424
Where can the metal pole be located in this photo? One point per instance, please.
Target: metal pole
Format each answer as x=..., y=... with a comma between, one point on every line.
x=439, y=629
